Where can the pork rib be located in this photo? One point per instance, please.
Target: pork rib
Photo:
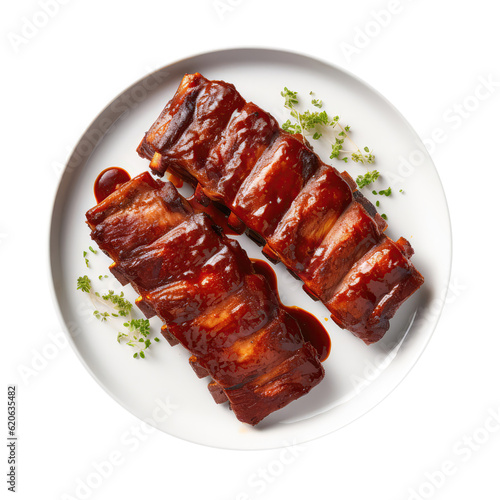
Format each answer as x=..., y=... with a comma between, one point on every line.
x=306, y=213
x=204, y=288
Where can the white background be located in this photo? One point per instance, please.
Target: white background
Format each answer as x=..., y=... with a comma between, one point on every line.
x=435, y=436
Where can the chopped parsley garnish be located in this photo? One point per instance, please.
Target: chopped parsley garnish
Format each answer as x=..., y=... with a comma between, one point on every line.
x=83, y=284
x=293, y=128
x=117, y=306
x=290, y=98
x=386, y=192
x=85, y=255
x=337, y=148
x=357, y=157
x=368, y=178
x=122, y=305
x=137, y=336
x=102, y=316
x=317, y=123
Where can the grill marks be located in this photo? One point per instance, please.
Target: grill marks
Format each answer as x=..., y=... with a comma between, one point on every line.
x=203, y=286
x=306, y=213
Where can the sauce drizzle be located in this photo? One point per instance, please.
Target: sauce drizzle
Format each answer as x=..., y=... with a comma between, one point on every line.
x=312, y=329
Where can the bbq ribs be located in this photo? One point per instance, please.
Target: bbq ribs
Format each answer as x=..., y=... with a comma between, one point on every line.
x=203, y=287
x=306, y=213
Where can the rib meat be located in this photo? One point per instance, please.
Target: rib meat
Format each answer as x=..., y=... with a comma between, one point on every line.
x=204, y=288
x=306, y=213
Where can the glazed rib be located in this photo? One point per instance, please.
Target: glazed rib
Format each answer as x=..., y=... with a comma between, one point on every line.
x=306, y=213
x=204, y=288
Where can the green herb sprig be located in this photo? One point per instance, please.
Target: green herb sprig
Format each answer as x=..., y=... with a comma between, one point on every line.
x=385, y=192
x=137, y=335
x=368, y=178
x=117, y=306
x=83, y=283
x=315, y=124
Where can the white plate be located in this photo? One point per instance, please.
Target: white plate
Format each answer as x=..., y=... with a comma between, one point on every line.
x=162, y=389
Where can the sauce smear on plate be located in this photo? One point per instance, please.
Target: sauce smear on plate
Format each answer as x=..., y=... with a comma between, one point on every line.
x=312, y=330
x=108, y=181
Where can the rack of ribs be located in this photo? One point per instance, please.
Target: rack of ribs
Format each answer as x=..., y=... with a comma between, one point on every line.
x=202, y=285
x=303, y=211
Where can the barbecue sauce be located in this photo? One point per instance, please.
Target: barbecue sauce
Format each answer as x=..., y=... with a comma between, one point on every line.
x=174, y=179
x=109, y=180
x=312, y=330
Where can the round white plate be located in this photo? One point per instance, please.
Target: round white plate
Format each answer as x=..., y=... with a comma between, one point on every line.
x=162, y=389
